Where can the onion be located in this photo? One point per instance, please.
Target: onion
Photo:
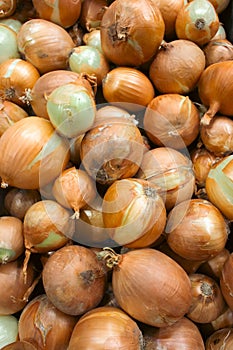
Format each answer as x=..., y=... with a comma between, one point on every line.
x=11, y=238
x=92, y=12
x=10, y=113
x=45, y=85
x=207, y=299
x=220, y=339
x=215, y=90
x=150, y=286
x=220, y=5
x=213, y=267
x=18, y=201
x=12, y=23
x=221, y=33
x=224, y=320
x=106, y=327
x=20, y=345
x=85, y=59
x=8, y=7
x=196, y=229
x=217, y=135
x=8, y=44
x=65, y=13
x=73, y=189
x=218, y=51
x=219, y=186
x=49, y=328
x=171, y=120
x=38, y=155
x=171, y=171
x=125, y=26
x=184, y=334
x=226, y=281
x=44, y=44
x=77, y=287
x=8, y=330
x=93, y=39
x=17, y=78
x=112, y=150
x=134, y=212
x=71, y=109
x=129, y=86
x=197, y=21
x=182, y=77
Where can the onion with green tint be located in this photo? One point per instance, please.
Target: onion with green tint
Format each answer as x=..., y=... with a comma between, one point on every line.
x=71, y=109
x=8, y=44
x=8, y=330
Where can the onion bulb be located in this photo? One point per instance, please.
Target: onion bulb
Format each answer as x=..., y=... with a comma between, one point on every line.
x=215, y=90
x=213, y=267
x=106, y=327
x=218, y=50
x=8, y=44
x=220, y=5
x=92, y=12
x=8, y=330
x=20, y=345
x=226, y=281
x=182, y=77
x=220, y=339
x=148, y=285
x=10, y=113
x=130, y=36
x=8, y=7
x=93, y=39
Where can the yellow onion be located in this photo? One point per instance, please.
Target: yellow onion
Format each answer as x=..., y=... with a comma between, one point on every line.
x=130, y=36
x=44, y=44
x=182, y=334
x=8, y=44
x=71, y=109
x=218, y=50
x=219, y=186
x=92, y=12
x=222, y=338
x=8, y=7
x=197, y=21
x=93, y=39
x=10, y=113
x=150, y=286
x=213, y=266
x=17, y=78
x=65, y=13
x=85, y=59
x=171, y=120
x=226, y=281
x=196, y=229
x=73, y=189
x=134, y=212
x=12, y=23
x=112, y=150
x=215, y=90
x=49, y=328
x=74, y=280
x=129, y=86
x=207, y=299
x=181, y=77
x=106, y=327
x=38, y=155
x=171, y=171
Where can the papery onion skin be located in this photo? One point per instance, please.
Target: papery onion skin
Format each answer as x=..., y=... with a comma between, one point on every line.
x=49, y=328
x=182, y=77
x=226, y=282
x=38, y=156
x=184, y=334
x=215, y=90
x=196, y=229
x=77, y=287
x=44, y=44
x=218, y=50
x=219, y=186
x=9, y=114
x=111, y=328
x=143, y=290
x=130, y=36
x=222, y=338
x=213, y=267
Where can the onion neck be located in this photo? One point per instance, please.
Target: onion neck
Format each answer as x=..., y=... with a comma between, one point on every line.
x=213, y=109
x=110, y=256
x=200, y=23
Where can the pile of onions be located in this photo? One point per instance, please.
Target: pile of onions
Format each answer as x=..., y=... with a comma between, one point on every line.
x=182, y=77
x=125, y=26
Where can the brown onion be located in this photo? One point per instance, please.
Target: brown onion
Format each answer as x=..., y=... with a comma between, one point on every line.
x=196, y=229
x=20, y=345
x=18, y=201
x=182, y=77
x=106, y=327
x=112, y=150
x=92, y=12
x=217, y=135
x=218, y=51
x=226, y=281
x=171, y=120
x=10, y=113
x=38, y=155
x=224, y=320
x=207, y=299
x=65, y=13
x=44, y=44
x=17, y=78
x=197, y=21
x=8, y=7
x=213, y=267
x=73, y=189
x=184, y=334
x=130, y=36
x=220, y=339
x=11, y=239
x=49, y=328
x=171, y=171
x=215, y=91
x=74, y=280
x=143, y=289
x=129, y=86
